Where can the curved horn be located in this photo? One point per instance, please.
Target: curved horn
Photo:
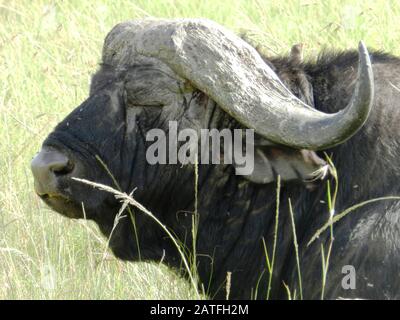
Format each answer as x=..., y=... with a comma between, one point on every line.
x=234, y=75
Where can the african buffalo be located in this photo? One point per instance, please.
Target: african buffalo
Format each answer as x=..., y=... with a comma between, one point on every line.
x=201, y=75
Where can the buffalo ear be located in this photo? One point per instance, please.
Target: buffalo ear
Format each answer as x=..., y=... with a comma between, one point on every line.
x=290, y=164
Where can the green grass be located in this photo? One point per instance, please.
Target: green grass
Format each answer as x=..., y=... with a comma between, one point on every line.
x=48, y=49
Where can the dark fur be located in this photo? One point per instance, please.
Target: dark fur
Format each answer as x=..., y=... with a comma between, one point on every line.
x=235, y=215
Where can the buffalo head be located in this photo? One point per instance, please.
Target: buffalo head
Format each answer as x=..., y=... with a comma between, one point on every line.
x=200, y=75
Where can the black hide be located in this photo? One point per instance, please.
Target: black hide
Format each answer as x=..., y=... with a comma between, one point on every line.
x=236, y=214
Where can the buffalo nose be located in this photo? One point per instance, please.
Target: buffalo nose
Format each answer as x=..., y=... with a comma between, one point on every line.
x=47, y=166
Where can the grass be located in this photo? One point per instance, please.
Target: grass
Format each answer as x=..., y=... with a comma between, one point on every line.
x=48, y=50
x=127, y=199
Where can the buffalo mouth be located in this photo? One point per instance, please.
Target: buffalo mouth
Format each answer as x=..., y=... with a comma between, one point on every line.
x=63, y=205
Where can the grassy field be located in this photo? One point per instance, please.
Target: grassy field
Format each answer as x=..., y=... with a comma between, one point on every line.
x=48, y=49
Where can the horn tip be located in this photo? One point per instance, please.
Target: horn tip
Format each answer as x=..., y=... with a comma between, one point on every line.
x=363, y=53
x=361, y=45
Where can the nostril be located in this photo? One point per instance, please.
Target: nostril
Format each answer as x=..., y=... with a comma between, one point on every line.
x=49, y=163
x=62, y=168
x=47, y=167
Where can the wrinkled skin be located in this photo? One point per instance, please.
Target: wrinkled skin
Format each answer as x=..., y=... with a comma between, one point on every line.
x=236, y=214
